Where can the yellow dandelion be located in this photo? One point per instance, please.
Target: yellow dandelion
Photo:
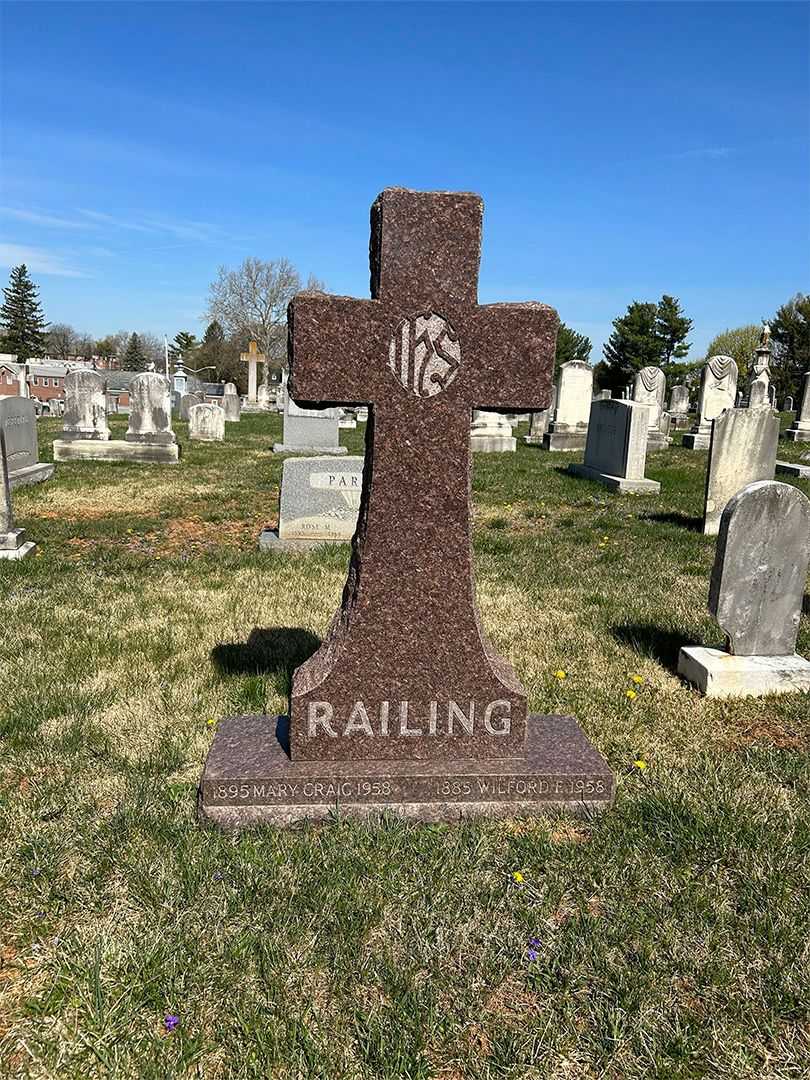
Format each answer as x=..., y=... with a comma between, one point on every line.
x=640, y=763
x=637, y=679
x=518, y=877
x=631, y=694
x=560, y=674
x=210, y=721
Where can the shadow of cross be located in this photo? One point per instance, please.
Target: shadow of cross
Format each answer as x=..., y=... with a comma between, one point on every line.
x=405, y=670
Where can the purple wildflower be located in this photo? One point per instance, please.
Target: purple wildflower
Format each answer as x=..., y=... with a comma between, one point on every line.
x=532, y=955
x=170, y=1022
x=217, y=875
x=534, y=943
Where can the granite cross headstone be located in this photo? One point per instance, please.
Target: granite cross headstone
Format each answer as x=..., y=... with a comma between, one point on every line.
x=252, y=357
x=405, y=703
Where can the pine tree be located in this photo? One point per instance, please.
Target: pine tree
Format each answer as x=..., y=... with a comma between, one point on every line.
x=790, y=331
x=134, y=357
x=571, y=346
x=633, y=345
x=183, y=347
x=22, y=325
x=672, y=327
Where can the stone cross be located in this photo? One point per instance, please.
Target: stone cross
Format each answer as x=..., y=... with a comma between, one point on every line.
x=252, y=357
x=405, y=671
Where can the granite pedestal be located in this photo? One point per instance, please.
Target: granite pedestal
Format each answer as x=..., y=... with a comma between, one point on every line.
x=616, y=483
x=116, y=450
x=249, y=779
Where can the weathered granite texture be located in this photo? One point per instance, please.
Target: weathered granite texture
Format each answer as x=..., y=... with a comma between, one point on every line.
x=319, y=503
x=616, y=449
x=85, y=414
x=249, y=779
x=13, y=544
x=150, y=410
x=742, y=451
x=405, y=654
x=718, y=392
x=206, y=423
x=491, y=433
x=760, y=569
x=799, y=430
x=18, y=421
x=569, y=428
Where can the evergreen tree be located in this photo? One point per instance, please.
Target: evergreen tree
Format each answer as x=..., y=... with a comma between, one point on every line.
x=634, y=344
x=212, y=349
x=135, y=358
x=22, y=325
x=183, y=347
x=571, y=346
x=672, y=327
x=790, y=333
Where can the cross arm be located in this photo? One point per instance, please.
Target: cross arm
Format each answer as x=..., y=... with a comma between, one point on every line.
x=336, y=348
x=512, y=348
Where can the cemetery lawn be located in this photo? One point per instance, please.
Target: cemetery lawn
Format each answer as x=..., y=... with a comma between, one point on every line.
x=668, y=939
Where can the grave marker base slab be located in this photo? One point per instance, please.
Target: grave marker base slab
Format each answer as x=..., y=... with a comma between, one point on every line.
x=720, y=674
x=309, y=451
x=269, y=540
x=565, y=440
x=790, y=468
x=616, y=483
x=34, y=474
x=116, y=450
x=249, y=779
x=693, y=441
x=797, y=434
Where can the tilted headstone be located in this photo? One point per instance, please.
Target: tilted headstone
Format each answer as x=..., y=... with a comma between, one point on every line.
x=206, y=423
x=616, y=450
x=406, y=705
x=718, y=392
x=799, y=430
x=150, y=410
x=742, y=451
x=649, y=389
x=231, y=403
x=85, y=407
x=491, y=432
x=756, y=595
x=320, y=498
x=18, y=421
x=189, y=400
x=569, y=428
x=309, y=431
x=13, y=544
x=539, y=421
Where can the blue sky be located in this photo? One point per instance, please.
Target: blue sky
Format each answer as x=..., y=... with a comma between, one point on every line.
x=622, y=150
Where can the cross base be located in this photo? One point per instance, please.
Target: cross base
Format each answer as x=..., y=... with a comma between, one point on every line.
x=249, y=779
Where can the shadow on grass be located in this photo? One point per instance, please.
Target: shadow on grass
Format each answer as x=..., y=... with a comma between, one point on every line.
x=675, y=517
x=654, y=641
x=266, y=652
x=806, y=604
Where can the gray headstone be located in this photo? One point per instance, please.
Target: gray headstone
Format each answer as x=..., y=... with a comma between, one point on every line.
x=569, y=426
x=18, y=421
x=679, y=401
x=760, y=569
x=788, y=406
x=491, y=433
x=150, y=410
x=616, y=450
x=649, y=389
x=742, y=451
x=799, y=430
x=206, y=423
x=320, y=498
x=187, y=401
x=231, y=403
x=13, y=544
x=313, y=431
x=759, y=395
x=85, y=407
x=718, y=392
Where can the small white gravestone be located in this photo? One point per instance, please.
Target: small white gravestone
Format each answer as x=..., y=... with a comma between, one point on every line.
x=13, y=544
x=788, y=405
x=649, y=389
x=309, y=431
x=616, y=450
x=569, y=428
x=187, y=401
x=85, y=407
x=539, y=421
x=742, y=451
x=756, y=595
x=718, y=392
x=679, y=406
x=231, y=403
x=18, y=422
x=799, y=430
x=319, y=503
x=491, y=433
x=361, y=412
x=206, y=423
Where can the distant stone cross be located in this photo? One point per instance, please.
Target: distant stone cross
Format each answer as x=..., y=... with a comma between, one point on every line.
x=252, y=357
x=405, y=670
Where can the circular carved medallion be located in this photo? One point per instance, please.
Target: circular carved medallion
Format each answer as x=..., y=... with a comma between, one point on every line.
x=425, y=354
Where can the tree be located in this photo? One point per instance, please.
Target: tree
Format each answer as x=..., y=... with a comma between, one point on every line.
x=571, y=346
x=183, y=347
x=790, y=333
x=62, y=341
x=135, y=358
x=738, y=343
x=251, y=303
x=22, y=324
x=672, y=327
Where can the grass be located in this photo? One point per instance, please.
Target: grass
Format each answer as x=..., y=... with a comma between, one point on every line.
x=671, y=934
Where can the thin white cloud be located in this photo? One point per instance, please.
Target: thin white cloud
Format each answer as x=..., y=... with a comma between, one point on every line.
x=37, y=260
x=182, y=230
x=33, y=217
